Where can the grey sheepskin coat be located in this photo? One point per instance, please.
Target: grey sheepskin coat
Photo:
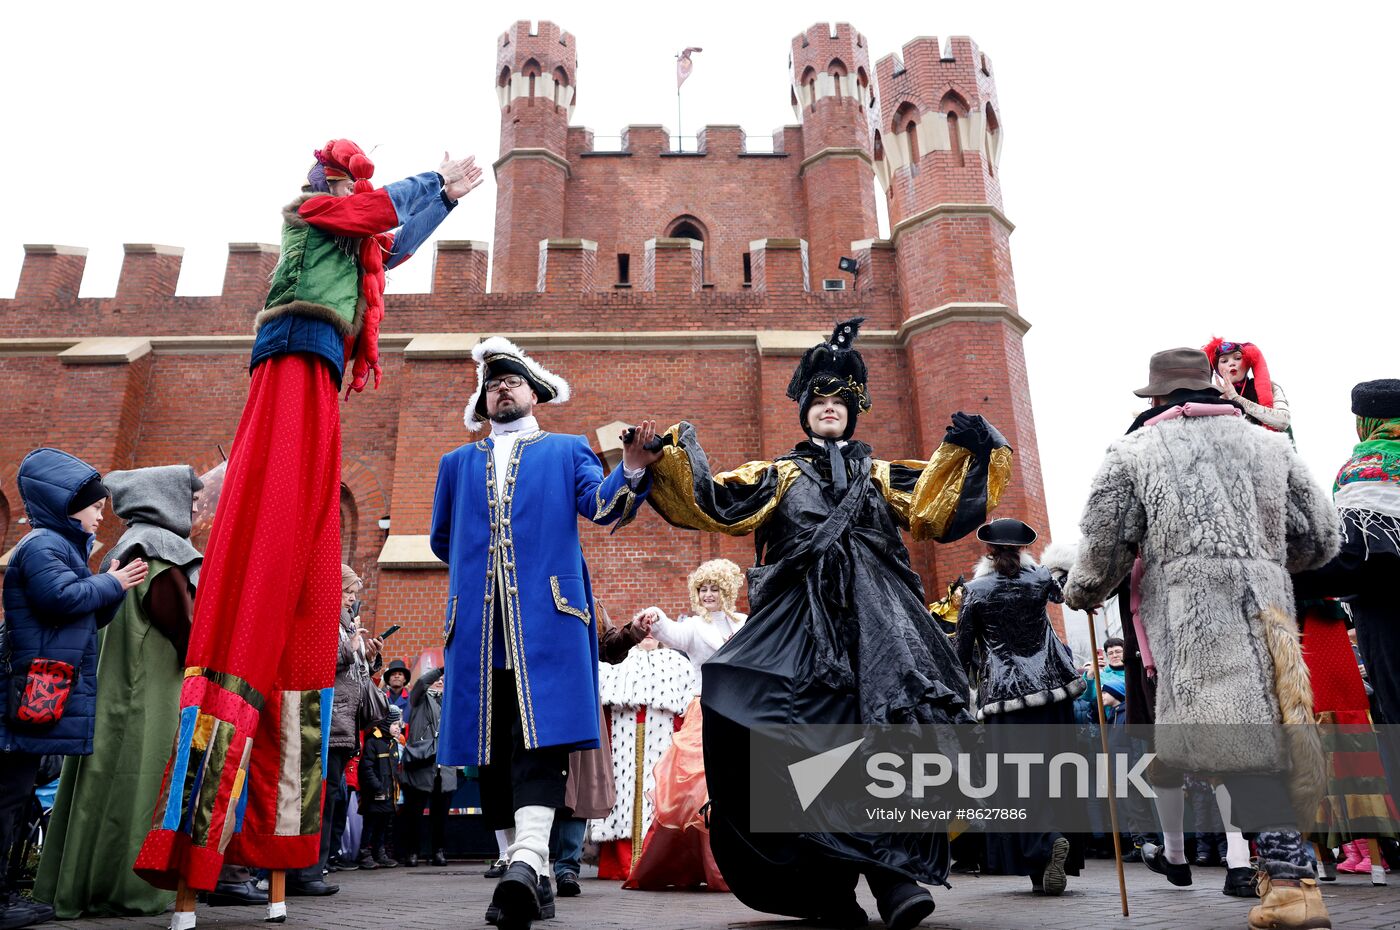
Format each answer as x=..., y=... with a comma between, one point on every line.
x=1221, y=512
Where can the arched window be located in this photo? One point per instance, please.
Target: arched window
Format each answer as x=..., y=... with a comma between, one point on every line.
x=867, y=96
x=686, y=227
x=906, y=121
x=992, y=147
x=837, y=70
x=531, y=70
x=954, y=139
x=349, y=525
x=809, y=82
x=561, y=88
x=879, y=147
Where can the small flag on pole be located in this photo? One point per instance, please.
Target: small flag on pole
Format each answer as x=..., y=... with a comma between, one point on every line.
x=683, y=65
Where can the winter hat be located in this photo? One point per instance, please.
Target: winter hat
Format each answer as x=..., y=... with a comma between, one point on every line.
x=91, y=491
x=832, y=368
x=1377, y=400
x=497, y=356
x=340, y=160
x=348, y=578
x=1253, y=362
x=395, y=714
x=397, y=666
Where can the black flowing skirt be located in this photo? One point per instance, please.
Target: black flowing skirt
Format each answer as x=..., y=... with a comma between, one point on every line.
x=1028, y=853
x=762, y=678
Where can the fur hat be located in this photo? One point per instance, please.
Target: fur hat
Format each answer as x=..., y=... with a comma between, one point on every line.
x=1378, y=400
x=832, y=368
x=497, y=355
x=1253, y=364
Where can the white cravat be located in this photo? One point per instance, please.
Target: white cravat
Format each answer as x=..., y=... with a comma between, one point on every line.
x=504, y=437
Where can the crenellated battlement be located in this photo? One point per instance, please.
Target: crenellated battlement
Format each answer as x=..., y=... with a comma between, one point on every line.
x=924, y=73
x=545, y=43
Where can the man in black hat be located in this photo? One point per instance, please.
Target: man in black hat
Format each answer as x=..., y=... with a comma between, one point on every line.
x=521, y=647
x=396, y=687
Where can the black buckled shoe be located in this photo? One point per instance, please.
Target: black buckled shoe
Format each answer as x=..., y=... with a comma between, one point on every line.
x=235, y=894
x=316, y=889
x=1155, y=858
x=497, y=869
x=1241, y=883
x=568, y=885
x=517, y=898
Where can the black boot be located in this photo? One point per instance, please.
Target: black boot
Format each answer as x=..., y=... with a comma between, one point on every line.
x=440, y=858
x=366, y=860
x=902, y=903
x=381, y=859
x=411, y=861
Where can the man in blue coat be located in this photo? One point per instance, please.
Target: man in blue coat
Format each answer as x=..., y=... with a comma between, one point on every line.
x=54, y=606
x=521, y=648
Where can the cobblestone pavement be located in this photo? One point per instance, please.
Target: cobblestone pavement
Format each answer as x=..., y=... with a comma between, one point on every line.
x=428, y=898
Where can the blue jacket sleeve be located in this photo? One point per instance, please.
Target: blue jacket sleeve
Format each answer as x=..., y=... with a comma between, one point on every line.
x=62, y=594
x=421, y=209
x=604, y=500
x=441, y=533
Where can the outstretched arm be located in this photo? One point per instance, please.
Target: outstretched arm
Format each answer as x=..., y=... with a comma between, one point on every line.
x=952, y=493
x=688, y=495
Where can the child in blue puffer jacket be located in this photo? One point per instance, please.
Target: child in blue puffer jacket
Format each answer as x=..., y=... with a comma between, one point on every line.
x=54, y=606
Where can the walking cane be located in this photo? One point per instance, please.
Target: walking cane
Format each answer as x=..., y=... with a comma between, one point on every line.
x=276, y=897
x=1108, y=768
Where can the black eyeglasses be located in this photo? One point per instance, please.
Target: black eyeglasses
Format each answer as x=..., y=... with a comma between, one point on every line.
x=510, y=381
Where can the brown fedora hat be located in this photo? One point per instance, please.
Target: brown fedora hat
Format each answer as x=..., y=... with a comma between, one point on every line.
x=1174, y=369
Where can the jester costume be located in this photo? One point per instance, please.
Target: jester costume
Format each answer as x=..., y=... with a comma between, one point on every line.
x=839, y=631
x=245, y=775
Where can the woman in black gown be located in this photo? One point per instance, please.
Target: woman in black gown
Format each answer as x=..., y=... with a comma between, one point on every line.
x=1025, y=676
x=838, y=630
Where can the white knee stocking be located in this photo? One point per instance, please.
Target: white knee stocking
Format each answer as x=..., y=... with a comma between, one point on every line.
x=531, y=842
x=1171, y=810
x=1236, y=846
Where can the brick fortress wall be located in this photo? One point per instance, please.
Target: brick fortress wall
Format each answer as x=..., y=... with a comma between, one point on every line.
x=718, y=294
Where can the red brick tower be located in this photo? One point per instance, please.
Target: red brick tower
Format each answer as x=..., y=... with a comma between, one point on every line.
x=832, y=95
x=535, y=71
x=936, y=151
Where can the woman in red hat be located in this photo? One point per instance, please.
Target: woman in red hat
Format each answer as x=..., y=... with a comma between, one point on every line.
x=1243, y=378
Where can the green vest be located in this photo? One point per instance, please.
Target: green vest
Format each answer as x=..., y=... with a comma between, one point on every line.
x=314, y=277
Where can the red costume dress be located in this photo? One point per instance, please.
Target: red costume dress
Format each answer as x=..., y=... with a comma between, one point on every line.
x=246, y=773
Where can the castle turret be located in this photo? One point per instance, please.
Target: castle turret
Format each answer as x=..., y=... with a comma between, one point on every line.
x=535, y=75
x=936, y=153
x=832, y=97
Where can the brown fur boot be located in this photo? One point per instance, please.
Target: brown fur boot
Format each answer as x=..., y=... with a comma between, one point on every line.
x=1289, y=904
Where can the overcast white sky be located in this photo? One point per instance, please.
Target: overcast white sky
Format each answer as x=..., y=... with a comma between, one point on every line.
x=1174, y=170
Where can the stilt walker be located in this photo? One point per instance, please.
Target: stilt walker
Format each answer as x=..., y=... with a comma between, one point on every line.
x=246, y=774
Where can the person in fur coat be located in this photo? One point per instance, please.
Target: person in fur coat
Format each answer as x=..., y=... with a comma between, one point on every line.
x=1218, y=540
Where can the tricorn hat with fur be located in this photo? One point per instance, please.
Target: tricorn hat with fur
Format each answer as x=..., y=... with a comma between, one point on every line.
x=496, y=356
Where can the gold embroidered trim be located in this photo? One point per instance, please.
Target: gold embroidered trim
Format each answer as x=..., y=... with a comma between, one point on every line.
x=638, y=790
x=673, y=490
x=562, y=605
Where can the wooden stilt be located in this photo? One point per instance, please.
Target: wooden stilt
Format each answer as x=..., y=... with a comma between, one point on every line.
x=184, y=917
x=276, y=897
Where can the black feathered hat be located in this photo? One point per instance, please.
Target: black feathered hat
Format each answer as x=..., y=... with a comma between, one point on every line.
x=832, y=368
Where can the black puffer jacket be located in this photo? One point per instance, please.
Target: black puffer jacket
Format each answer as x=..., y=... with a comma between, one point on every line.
x=424, y=721
x=1005, y=638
